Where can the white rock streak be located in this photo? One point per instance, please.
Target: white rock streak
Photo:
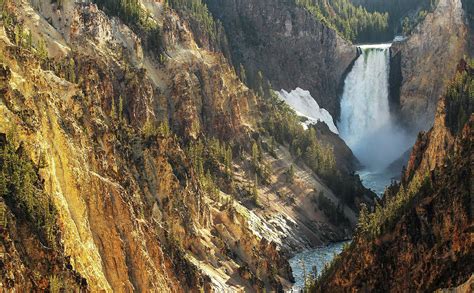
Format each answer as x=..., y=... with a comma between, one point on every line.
x=304, y=105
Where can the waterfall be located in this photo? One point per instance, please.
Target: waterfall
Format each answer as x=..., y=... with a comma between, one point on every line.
x=365, y=123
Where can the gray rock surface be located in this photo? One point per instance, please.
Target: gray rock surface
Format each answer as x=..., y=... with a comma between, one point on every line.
x=288, y=45
x=428, y=61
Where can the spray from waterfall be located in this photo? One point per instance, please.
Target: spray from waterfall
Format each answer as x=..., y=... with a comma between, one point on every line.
x=366, y=124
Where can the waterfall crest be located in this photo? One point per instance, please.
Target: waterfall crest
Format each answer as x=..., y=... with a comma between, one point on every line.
x=366, y=124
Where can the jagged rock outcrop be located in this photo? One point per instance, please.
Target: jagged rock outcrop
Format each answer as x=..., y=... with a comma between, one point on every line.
x=425, y=241
x=428, y=61
x=288, y=45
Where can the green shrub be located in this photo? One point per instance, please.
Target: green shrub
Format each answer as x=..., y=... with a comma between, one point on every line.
x=22, y=191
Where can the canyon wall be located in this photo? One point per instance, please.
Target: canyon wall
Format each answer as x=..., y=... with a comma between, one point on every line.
x=289, y=46
x=97, y=108
x=428, y=59
x=144, y=160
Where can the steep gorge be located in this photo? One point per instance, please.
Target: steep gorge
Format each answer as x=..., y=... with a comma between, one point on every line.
x=152, y=161
x=123, y=186
x=135, y=157
x=422, y=235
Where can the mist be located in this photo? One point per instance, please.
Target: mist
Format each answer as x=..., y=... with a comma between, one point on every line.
x=366, y=124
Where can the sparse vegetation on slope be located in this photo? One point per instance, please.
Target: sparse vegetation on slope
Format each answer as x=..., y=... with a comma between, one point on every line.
x=209, y=32
x=284, y=125
x=138, y=19
x=21, y=188
x=169, y=188
x=32, y=254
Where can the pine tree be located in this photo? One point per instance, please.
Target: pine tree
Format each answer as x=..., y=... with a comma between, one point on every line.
x=255, y=154
x=120, y=111
x=364, y=221
x=42, y=51
x=291, y=174
x=29, y=40
x=228, y=160
x=17, y=35
x=113, y=113
x=260, y=90
x=3, y=184
x=71, y=70
x=243, y=75
x=255, y=190
x=165, y=128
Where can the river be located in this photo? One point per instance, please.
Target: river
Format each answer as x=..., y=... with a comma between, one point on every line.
x=318, y=257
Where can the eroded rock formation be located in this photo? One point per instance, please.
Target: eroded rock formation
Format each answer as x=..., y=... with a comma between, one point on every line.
x=428, y=61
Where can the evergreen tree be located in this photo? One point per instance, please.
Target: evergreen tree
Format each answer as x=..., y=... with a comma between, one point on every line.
x=291, y=174
x=71, y=70
x=255, y=154
x=260, y=90
x=243, y=75
x=120, y=110
x=113, y=113
x=29, y=40
x=255, y=190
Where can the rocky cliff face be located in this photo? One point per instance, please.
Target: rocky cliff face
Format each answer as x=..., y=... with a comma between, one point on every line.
x=427, y=244
x=132, y=150
x=428, y=60
x=288, y=45
x=130, y=210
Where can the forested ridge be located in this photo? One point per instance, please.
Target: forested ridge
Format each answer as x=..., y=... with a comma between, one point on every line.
x=134, y=15
x=403, y=15
x=210, y=32
x=354, y=23
x=358, y=21
x=361, y=21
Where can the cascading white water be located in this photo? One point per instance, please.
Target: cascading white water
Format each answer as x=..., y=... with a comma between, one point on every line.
x=366, y=125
